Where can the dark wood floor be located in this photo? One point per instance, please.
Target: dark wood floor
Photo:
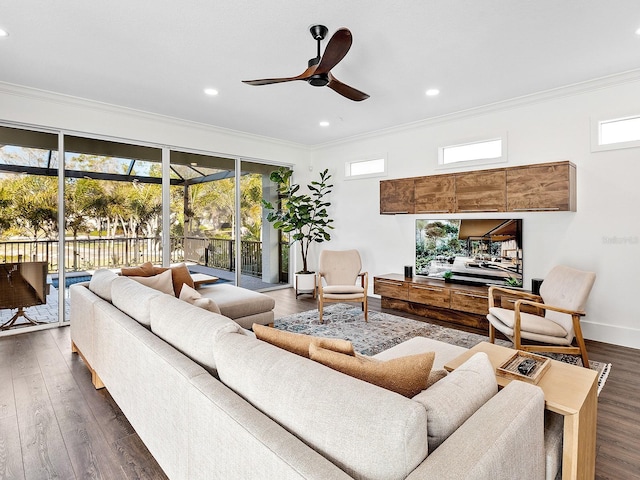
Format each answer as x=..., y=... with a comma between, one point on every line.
x=54, y=424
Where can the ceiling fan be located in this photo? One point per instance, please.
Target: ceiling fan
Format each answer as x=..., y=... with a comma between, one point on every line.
x=318, y=72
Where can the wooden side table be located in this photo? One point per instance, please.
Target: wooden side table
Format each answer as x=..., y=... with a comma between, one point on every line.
x=568, y=390
x=200, y=279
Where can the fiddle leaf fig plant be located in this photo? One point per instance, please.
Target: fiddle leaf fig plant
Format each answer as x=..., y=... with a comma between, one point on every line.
x=304, y=216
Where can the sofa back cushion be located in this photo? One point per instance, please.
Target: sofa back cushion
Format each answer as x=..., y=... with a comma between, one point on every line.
x=134, y=299
x=453, y=399
x=100, y=283
x=190, y=329
x=369, y=432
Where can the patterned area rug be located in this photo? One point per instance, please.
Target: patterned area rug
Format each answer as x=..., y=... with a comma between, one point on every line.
x=383, y=331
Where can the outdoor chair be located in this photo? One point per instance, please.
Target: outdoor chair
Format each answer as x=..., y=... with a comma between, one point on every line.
x=562, y=298
x=337, y=275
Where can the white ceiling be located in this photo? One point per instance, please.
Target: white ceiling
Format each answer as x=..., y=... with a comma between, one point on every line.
x=159, y=55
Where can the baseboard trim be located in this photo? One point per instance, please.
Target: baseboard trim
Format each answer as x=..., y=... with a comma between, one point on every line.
x=623, y=336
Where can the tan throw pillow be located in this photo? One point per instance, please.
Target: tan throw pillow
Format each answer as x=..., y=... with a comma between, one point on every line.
x=407, y=376
x=192, y=296
x=144, y=270
x=160, y=282
x=434, y=375
x=298, y=343
x=180, y=275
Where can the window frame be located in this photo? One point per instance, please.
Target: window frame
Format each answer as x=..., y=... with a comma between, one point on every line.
x=368, y=158
x=596, y=129
x=503, y=158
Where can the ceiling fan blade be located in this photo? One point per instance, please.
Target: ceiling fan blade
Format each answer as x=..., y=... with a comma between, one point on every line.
x=268, y=81
x=336, y=49
x=345, y=90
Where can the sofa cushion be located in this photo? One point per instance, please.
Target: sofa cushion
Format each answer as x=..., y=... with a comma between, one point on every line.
x=236, y=302
x=179, y=274
x=369, y=432
x=190, y=329
x=133, y=298
x=298, y=343
x=100, y=283
x=161, y=282
x=444, y=351
x=452, y=400
x=407, y=376
x=191, y=295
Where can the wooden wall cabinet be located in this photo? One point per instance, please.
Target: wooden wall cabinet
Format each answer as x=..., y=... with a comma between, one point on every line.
x=544, y=187
x=435, y=194
x=528, y=188
x=397, y=196
x=481, y=191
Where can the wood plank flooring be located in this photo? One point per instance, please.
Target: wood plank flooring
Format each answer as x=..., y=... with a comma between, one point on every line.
x=55, y=425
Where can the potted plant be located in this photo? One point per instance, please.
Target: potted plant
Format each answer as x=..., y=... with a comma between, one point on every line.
x=304, y=216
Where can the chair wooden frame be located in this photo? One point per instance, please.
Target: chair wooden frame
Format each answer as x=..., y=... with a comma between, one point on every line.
x=535, y=301
x=364, y=282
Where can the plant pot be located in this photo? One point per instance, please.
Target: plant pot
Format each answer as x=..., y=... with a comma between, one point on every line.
x=306, y=284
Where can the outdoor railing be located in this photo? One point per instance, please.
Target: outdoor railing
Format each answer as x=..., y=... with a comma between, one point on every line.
x=87, y=254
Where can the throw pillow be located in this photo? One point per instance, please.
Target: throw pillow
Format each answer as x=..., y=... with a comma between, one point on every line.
x=144, y=270
x=192, y=296
x=434, y=375
x=451, y=401
x=180, y=275
x=160, y=282
x=298, y=343
x=404, y=375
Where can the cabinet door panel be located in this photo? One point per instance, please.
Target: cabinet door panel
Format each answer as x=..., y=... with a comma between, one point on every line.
x=469, y=302
x=390, y=288
x=435, y=194
x=428, y=295
x=397, y=196
x=481, y=191
x=541, y=188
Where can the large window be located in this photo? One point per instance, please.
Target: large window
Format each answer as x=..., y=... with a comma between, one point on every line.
x=111, y=204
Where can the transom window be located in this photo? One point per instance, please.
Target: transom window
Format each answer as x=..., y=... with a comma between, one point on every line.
x=490, y=149
x=374, y=167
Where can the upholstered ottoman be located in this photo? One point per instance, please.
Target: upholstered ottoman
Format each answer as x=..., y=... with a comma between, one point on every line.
x=245, y=307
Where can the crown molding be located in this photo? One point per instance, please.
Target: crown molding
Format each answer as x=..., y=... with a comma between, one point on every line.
x=524, y=100
x=64, y=99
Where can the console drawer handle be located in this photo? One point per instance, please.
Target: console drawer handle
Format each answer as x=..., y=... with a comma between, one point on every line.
x=471, y=295
x=427, y=288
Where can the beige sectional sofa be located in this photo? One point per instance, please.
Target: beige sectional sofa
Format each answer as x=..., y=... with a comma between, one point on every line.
x=211, y=401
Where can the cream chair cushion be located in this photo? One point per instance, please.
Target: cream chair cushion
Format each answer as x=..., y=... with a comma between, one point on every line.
x=340, y=268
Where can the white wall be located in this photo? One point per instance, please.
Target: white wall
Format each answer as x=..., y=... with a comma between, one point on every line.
x=542, y=131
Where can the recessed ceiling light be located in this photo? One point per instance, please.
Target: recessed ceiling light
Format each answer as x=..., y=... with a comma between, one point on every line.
x=211, y=91
x=638, y=31
x=324, y=124
x=432, y=92
x=3, y=33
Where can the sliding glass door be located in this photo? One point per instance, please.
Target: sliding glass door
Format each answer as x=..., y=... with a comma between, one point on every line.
x=29, y=262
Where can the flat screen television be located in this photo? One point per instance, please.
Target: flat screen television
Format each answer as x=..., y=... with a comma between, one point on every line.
x=470, y=251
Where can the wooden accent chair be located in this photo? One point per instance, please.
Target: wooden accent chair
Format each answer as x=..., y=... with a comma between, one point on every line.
x=337, y=275
x=562, y=298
